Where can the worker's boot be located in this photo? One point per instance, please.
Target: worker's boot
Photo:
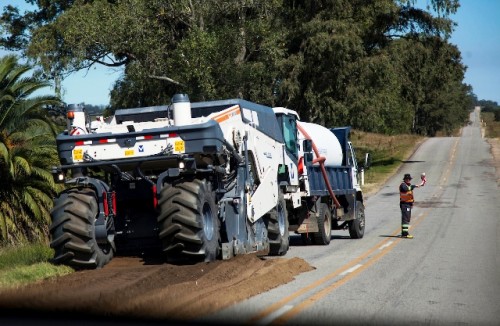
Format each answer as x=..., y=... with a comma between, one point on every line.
x=404, y=231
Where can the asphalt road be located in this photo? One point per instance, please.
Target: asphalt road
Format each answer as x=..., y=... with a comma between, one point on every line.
x=448, y=274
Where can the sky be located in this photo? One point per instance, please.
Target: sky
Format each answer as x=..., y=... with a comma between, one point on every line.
x=478, y=39
x=477, y=36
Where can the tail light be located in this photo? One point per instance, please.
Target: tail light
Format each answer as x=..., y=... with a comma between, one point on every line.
x=155, y=198
x=105, y=203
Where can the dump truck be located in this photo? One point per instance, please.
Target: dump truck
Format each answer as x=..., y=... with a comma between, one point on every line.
x=197, y=181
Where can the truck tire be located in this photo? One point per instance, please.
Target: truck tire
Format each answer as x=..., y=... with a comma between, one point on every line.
x=277, y=228
x=323, y=236
x=188, y=222
x=357, y=226
x=73, y=231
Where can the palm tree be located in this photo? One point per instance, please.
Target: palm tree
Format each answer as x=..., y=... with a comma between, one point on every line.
x=27, y=151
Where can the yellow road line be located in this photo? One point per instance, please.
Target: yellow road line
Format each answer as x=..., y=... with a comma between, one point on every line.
x=451, y=161
x=284, y=312
x=272, y=308
x=312, y=299
x=348, y=275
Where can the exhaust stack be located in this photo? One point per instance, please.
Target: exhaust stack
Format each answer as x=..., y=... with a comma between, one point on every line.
x=181, y=108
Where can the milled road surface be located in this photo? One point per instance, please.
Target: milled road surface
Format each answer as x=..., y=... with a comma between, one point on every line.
x=130, y=290
x=448, y=274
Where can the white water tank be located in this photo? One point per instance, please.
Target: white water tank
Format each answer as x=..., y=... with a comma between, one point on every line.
x=326, y=142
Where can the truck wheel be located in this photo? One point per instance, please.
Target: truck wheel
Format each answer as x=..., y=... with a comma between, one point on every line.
x=188, y=222
x=357, y=226
x=73, y=231
x=278, y=234
x=323, y=236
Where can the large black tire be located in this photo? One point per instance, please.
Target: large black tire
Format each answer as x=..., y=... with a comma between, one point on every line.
x=323, y=236
x=357, y=226
x=73, y=231
x=188, y=222
x=277, y=228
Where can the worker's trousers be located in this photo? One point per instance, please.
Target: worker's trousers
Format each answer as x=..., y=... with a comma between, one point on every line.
x=405, y=217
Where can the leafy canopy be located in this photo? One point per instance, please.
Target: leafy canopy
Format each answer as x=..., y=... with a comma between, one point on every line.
x=378, y=65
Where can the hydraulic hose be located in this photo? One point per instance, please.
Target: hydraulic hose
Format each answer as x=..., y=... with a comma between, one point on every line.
x=321, y=161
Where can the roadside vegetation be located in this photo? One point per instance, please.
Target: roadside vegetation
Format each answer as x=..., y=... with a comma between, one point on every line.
x=387, y=154
x=27, y=263
x=27, y=150
x=383, y=66
x=491, y=122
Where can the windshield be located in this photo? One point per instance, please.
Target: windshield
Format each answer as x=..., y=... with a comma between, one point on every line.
x=290, y=134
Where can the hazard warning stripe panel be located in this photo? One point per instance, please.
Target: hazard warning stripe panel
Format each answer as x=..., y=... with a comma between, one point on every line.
x=227, y=114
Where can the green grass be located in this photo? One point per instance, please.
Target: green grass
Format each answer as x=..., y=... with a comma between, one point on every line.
x=27, y=263
x=19, y=275
x=24, y=255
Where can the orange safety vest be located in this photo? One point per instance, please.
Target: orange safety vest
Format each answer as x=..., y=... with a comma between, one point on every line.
x=406, y=197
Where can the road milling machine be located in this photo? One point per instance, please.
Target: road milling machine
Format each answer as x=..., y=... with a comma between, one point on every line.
x=199, y=181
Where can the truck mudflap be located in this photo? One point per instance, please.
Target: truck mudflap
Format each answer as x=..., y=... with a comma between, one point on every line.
x=146, y=145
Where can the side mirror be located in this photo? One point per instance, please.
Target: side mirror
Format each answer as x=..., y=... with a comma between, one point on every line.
x=308, y=158
x=368, y=161
x=307, y=146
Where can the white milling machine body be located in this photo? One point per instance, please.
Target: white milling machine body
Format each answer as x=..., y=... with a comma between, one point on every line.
x=200, y=185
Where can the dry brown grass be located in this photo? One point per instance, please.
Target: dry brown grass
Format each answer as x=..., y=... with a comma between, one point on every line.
x=491, y=127
x=491, y=130
x=388, y=152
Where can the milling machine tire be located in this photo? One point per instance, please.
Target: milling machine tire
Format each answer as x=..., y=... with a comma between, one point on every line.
x=188, y=222
x=277, y=230
x=323, y=236
x=72, y=231
x=357, y=226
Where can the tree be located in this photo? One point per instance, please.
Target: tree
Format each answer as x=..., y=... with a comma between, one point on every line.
x=431, y=75
x=27, y=150
x=343, y=67
x=334, y=61
x=208, y=48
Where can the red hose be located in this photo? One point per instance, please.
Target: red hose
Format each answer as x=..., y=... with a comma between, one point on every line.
x=321, y=161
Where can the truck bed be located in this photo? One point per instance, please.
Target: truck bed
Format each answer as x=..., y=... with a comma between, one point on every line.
x=338, y=176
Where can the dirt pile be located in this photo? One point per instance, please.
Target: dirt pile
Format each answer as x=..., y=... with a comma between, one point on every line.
x=130, y=287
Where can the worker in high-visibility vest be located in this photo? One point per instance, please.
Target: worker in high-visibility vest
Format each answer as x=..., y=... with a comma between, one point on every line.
x=406, y=201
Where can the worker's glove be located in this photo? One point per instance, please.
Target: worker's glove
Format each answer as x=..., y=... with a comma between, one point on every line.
x=423, y=178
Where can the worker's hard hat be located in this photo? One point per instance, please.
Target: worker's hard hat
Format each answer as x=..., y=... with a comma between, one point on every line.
x=407, y=177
